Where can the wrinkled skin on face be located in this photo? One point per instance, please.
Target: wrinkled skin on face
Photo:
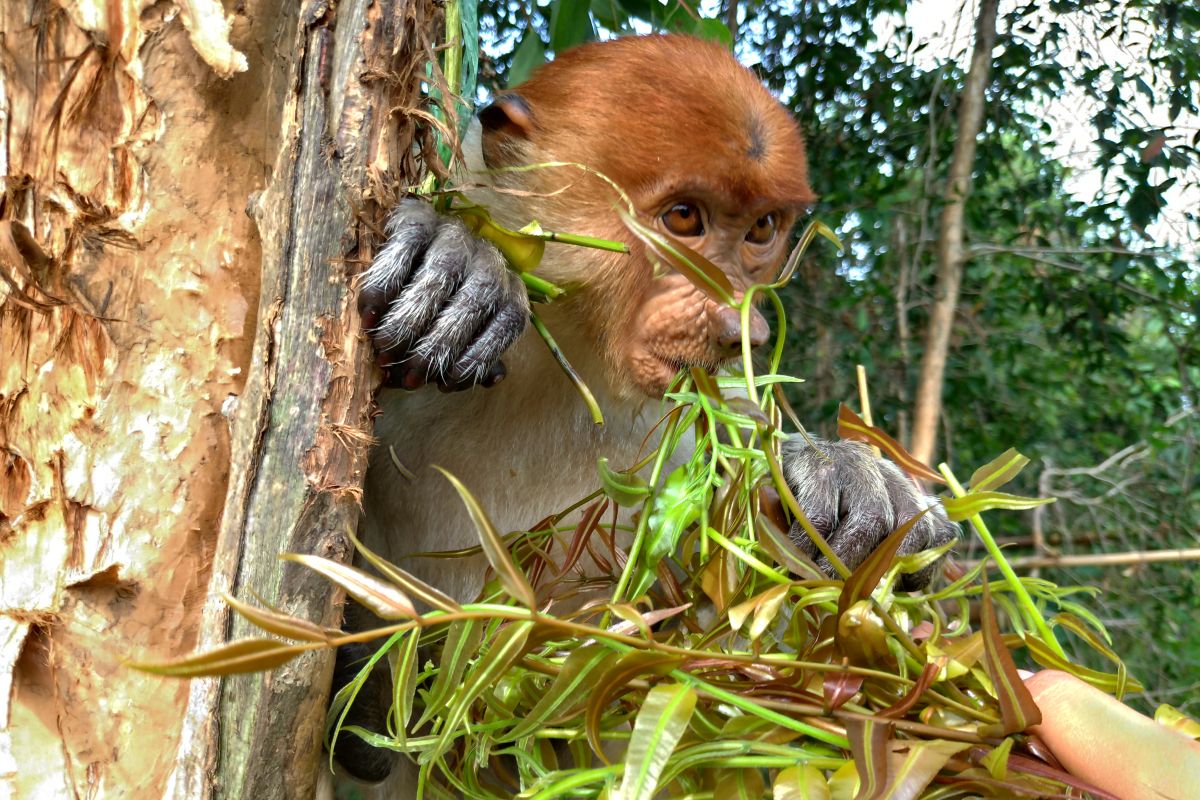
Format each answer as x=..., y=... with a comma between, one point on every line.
x=680, y=325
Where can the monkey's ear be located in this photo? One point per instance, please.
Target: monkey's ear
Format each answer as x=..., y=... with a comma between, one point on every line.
x=507, y=125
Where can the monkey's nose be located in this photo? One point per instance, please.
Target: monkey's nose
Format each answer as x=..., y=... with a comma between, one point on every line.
x=727, y=329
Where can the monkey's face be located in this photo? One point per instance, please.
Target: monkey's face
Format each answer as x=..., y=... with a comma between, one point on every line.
x=677, y=324
x=704, y=152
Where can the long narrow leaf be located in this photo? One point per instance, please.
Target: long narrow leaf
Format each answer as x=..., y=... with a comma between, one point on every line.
x=704, y=275
x=503, y=653
x=614, y=681
x=569, y=691
x=247, y=655
x=998, y=471
x=960, y=508
x=914, y=765
x=380, y=598
x=863, y=580
x=664, y=716
x=852, y=426
x=868, y=742
x=276, y=622
x=1018, y=711
x=460, y=647
x=406, y=581
x=511, y=577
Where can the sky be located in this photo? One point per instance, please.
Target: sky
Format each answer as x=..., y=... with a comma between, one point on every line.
x=948, y=27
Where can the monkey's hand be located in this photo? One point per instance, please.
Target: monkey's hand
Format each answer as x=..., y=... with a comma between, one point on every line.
x=855, y=500
x=440, y=305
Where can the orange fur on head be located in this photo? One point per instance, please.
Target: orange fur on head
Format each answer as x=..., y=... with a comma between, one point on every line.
x=669, y=119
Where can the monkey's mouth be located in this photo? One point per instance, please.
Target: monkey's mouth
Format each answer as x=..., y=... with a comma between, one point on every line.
x=673, y=364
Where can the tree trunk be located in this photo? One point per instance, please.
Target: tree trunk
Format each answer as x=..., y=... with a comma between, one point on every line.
x=950, y=238
x=183, y=390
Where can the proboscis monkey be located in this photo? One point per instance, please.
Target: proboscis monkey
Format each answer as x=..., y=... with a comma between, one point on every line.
x=707, y=155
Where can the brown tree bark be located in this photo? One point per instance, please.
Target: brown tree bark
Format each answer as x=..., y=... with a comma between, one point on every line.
x=183, y=391
x=951, y=255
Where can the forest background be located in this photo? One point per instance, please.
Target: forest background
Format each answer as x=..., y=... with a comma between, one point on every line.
x=1074, y=335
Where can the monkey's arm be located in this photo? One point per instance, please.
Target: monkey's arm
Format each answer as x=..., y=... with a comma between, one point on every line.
x=440, y=305
x=855, y=500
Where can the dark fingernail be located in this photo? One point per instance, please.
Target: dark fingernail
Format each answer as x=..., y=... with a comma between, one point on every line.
x=495, y=375
x=370, y=317
x=413, y=379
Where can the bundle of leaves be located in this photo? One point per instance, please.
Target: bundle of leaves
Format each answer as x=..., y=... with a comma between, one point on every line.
x=665, y=637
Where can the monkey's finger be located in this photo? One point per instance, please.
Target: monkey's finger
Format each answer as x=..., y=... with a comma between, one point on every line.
x=812, y=476
x=438, y=276
x=410, y=229
x=936, y=530
x=478, y=360
x=933, y=529
x=859, y=533
x=465, y=314
x=496, y=374
x=404, y=372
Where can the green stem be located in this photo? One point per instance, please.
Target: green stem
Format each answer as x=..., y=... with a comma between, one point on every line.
x=1032, y=613
x=639, y=537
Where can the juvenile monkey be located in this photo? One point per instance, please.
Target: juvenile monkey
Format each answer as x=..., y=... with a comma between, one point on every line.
x=707, y=155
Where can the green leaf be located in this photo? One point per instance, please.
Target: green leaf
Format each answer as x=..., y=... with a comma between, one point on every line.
x=506, y=648
x=381, y=598
x=1118, y=684
x=998, y=471
x=715, y=30
x=972, y=503
x=570, y=24
x=511, y=577
x=800, y=783
x=560, y=358
x=660, y=723
x=523, y=251
x=1176, y=720
x=247, y=655
x=610, y=14
x=996, y=761
x=403, y=663
x=460, y=647
x=764, y=606
x=345, y=697
x=625, y=488
x=568, y=692
x=675, y=507
x=529, y=55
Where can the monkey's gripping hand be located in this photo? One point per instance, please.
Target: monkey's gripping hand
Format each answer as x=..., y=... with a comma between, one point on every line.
x=439, y=304
x=855, y=500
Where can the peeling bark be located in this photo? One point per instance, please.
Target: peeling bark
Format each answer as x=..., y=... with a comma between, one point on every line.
x=183, y=390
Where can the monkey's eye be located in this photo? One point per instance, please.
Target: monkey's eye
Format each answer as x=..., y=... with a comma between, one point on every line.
x=763, y=229
x=683, y=219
